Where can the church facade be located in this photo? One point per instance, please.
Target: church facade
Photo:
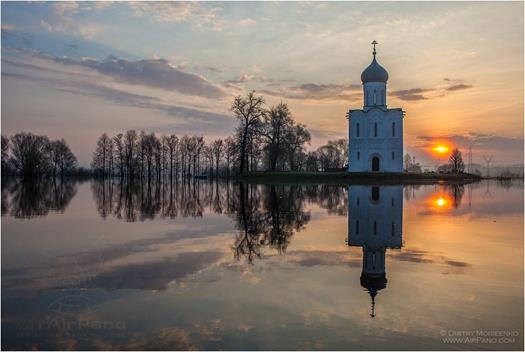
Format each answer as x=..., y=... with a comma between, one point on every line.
x=375, y=133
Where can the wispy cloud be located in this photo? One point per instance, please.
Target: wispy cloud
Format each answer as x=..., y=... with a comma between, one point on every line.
x=415, y=94
x=155, y=73
x=185, y=115
x=63, y=20
x=178, y=11
x=315, y=91
x=459, y=87
x=411, y=94
x=242, y=79
x=208, y=68
x=247, y=22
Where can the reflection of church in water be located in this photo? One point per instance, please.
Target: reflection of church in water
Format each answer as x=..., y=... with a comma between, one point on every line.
x=375, y=218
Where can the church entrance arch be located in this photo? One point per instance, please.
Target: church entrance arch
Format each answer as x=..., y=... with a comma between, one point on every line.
x=375, y=163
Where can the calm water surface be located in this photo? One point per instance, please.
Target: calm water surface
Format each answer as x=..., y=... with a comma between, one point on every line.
x=97, y=265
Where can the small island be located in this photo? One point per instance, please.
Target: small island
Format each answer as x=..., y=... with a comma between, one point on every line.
x=344, y=177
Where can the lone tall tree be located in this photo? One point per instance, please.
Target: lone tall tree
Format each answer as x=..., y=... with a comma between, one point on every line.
x=456, y=161
x=249, y=112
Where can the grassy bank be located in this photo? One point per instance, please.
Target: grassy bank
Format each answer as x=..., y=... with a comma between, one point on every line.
x=342, y=178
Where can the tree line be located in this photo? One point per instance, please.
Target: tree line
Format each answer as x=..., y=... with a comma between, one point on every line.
x=265, y=139
x=31, y=156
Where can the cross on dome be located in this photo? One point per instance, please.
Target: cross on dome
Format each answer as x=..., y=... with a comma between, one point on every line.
x=374, y=44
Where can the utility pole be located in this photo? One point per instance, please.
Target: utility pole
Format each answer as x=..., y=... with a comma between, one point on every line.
x=488, y=159
x=470, y=158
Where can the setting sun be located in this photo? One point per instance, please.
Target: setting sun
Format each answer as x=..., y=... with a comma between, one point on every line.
x=441, y=149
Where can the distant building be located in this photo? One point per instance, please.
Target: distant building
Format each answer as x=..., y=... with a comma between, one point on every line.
x=375, y=219
x=375, y=133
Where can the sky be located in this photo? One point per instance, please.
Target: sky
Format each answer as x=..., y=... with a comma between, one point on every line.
x=74, y=70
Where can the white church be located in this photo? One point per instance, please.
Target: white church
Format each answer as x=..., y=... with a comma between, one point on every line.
x=375, y=133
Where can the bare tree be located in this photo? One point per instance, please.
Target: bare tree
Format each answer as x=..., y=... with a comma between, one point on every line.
x=5, y=155
x=456, y=161
x=277, y=126
x=408, y=162
x=130, y=147
x=217, y=148
x=30, y=154
x=102, y=155
x=198, y=151
x=249, y=112
x=64, y=160
x=171, y=142
x=296, y=139
x=334, y=154
x=230, y=152
x=118, y=142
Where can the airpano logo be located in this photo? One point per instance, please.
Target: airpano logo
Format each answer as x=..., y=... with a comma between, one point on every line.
x=75, y=312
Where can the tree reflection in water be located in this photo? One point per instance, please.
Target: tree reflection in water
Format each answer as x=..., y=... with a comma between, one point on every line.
x=456, y=192
x=36, y=198
x=265, y=215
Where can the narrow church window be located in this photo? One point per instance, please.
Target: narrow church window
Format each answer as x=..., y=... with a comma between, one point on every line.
x=393, y=129
x=358, y=155
x=358, y=201
x=357, y=130
x=375, y=97
x=392, y=201
x=393, y=228
x=357, y=227
x=375, y=129
x=375, y=227
x=375, y=194
x=393, y=156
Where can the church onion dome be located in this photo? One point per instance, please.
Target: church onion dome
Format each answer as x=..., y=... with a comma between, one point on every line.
x=374, y=73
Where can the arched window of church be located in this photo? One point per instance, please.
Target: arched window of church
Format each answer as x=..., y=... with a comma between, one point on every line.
x=393, y=156
x=393, y=228
x=357, y=130
x=393, y=129
x=375, y=194
x=375, y=97
x=358, y=155
x=375, y=129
